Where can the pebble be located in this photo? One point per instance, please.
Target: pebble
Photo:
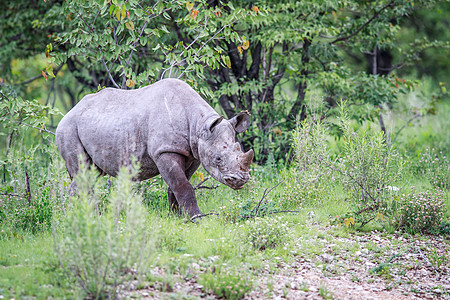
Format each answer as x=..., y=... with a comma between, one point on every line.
x=327, y=258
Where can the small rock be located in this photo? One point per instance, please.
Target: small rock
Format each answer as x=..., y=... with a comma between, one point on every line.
x=330, y=268
x=313, y=289
x=195, y=266
x=423, y=272
x=327, y=258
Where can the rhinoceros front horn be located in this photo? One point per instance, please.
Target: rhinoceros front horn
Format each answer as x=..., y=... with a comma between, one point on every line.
x=246, y=160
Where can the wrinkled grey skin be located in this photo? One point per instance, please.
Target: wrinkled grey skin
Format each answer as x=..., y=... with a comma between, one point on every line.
x=167, y=126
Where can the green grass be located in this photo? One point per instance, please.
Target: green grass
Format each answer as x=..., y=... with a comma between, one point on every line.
x=27, y=268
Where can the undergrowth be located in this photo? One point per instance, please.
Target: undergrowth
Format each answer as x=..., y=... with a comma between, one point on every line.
x=105, y=239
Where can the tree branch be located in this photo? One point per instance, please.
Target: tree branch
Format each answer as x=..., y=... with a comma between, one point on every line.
x=31, y=79
x=375, y=15
x=22, y=123
x=256, y=61
x=109, y=74
x=13, y=195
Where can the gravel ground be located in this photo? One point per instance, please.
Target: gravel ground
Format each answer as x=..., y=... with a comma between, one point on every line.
x=362, y=266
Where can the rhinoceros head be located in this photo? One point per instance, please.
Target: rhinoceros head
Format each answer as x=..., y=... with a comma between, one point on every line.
x=221, y=155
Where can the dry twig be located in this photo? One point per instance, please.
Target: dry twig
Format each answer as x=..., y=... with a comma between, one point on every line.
x=200, y=186
x=202, y=215
x=266, y=192
x=27, y=179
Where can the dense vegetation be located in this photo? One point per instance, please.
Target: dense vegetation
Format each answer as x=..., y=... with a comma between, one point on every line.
x=350, y=127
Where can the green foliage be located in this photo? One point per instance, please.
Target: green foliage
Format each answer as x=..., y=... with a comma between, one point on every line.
x=368, y=166
x=435, y=167
x=437, y=259
x=33, y=217
x=31, y=191
x=443, y=229
x=236, y=54
x=17, y=112
x=423, y=211
x=266, y=233
x=227, y=283
x=103, y=248
x=170, y=239
x=154, y=195
x=325, y=293
x=313, y=165
x=136, y=43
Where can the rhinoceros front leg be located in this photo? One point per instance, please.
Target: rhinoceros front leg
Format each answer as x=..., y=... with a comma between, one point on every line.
x=172, y=168
x=173, y=203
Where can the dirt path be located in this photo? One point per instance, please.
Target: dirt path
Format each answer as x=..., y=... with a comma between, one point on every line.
x=366, y=266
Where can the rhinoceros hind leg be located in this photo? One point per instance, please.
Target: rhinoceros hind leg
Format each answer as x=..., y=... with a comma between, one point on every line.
x=73, y=153
x=172, y=169
x=173, y=203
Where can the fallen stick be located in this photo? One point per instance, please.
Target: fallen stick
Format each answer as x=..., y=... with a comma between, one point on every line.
x=201, y=216
x=200, y=186
x=266, y=192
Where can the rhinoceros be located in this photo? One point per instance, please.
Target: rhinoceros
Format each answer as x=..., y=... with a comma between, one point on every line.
x=167, y=127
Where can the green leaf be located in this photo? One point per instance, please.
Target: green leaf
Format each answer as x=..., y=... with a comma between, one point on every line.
x=129, y=25
x=49, y=70
x=111, y=9
x=143, y=40
x=164, y=28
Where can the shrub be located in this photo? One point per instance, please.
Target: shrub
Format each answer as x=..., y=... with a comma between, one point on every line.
x=367, y=165
x=103, y=247
x=313, y=174
x=33, y=191
x=265, y=233
x=32, y=217
x=435, y=167
x=422, y=211
x=227, y=284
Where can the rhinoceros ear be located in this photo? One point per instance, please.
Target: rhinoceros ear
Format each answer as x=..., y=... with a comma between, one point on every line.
x=214, y=123
x=241, y=121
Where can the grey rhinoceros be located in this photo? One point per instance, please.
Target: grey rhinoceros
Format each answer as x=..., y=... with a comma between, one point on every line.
x=167, y=126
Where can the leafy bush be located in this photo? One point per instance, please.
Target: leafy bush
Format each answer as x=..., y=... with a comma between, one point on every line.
x=422, y=211
x=367, y=165
x=435, y=167
x=313, y=175
x=33, y=190
x=227, y=284
x=265, y=233
x=32, y=217
x=103, y=247
x=444, y=228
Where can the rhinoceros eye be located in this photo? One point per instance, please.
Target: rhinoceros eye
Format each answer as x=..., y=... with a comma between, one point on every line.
x=218, y=159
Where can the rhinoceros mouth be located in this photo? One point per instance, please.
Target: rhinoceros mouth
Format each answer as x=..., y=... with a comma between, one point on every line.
x=236, y=182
